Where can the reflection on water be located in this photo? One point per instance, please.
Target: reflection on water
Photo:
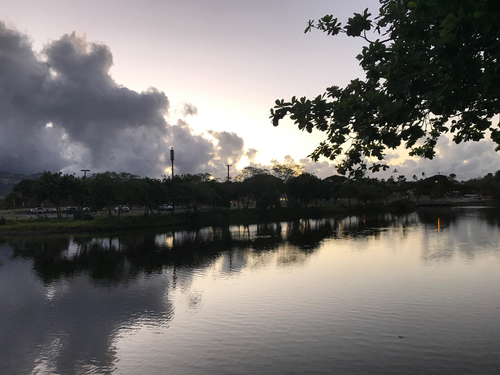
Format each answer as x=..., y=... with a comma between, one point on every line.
x=289, y=297
x=464, y=232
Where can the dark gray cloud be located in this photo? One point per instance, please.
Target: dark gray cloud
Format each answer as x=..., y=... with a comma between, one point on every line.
x=192, y=152
x=189, y=110
x=230, y=146
x=195, y=153
x=62, y=110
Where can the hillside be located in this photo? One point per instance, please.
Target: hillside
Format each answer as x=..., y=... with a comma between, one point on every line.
x=8, y=180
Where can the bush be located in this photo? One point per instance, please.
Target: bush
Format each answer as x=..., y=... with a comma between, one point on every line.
x=82, y=215
x=402, y=205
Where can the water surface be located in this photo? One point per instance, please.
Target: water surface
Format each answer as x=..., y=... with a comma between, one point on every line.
x=409, y=294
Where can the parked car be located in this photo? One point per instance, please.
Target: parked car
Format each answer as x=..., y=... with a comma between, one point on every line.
x=70, y=210
x=122, y=208
x=165, y=207
x=37, y=210
x=51, y=210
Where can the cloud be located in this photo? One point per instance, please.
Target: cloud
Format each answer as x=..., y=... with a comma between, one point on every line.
x=466, y=160
x=189, y=110
x=98, y=124
x=322, y=169
x=251, y=154
x=230, y=146
x=192, y=152
x=95, y=123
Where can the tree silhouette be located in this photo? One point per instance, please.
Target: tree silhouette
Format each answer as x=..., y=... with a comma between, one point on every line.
x=431, y=68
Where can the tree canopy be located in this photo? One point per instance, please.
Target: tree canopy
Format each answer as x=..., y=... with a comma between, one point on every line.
x=431, y=67
x=286, y=171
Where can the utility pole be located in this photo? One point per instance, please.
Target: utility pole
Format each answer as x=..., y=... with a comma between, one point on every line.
x=228, y=165
x=85, y=172
x=172, y=160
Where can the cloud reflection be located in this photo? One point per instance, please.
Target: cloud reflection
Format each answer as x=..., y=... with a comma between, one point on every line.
x=66, y=301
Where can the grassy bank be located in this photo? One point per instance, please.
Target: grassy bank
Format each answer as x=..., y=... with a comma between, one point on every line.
x=184, y=220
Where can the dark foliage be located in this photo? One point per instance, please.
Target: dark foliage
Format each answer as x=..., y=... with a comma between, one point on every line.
x=431, y=68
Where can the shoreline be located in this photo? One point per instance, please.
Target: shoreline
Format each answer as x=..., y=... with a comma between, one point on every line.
x=177, y=221
x=460, y=202
x=195, y=219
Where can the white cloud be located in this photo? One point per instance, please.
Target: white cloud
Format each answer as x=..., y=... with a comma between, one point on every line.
x=466, y=160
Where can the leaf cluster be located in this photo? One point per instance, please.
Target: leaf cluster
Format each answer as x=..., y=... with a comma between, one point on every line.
x=432, y=68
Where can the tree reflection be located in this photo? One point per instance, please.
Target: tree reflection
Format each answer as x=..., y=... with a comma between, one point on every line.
x=66, y=325
x=465, y=231
x=71, y=324
x=430, y=216
x=115, y=259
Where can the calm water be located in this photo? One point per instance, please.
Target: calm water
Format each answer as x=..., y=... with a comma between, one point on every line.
x=413, y=294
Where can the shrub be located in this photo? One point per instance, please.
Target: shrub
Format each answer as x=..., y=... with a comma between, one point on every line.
x=82, y=215
x=402, y=205
x=42, y=218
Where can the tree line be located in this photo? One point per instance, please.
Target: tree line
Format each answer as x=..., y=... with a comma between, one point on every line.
x=283, y=184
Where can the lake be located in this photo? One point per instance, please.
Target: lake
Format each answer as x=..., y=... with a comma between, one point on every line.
x=373, y=294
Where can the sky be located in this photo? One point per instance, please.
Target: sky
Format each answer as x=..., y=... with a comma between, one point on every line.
x=113, y=85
